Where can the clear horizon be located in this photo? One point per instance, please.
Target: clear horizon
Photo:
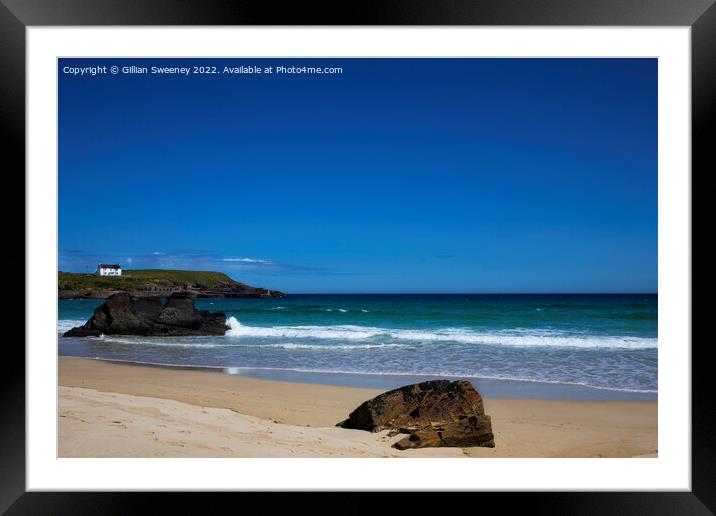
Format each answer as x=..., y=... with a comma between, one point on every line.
x=402, y=176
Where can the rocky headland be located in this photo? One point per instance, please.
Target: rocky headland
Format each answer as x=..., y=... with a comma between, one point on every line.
x=157, y=283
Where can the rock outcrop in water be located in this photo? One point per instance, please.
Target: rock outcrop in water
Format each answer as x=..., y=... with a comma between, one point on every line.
x=121, y=314
x=435, y=413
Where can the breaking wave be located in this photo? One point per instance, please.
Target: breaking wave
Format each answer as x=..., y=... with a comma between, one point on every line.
x=64, y=325
x=517, y=337
x=205, y=343
x=387, y=337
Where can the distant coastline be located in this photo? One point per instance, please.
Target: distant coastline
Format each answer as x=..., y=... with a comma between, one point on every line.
x=157, y=283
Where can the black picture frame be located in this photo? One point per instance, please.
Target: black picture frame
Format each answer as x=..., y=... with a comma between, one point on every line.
x=700, y=15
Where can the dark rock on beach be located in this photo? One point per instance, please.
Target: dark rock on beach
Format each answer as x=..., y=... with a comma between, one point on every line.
x=435, y=413
x=121, y=314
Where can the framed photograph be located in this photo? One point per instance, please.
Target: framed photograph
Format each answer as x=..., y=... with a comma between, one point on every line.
x=421, y=247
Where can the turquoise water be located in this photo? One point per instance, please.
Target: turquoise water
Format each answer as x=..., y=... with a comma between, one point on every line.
x=599, y=342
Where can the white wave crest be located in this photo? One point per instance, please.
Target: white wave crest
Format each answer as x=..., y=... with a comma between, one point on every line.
x=517, y=337
x=64, y=325
x=204, y=343
x=324, y=347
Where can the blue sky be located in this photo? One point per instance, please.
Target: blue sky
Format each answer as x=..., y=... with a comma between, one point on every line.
x=398, y=175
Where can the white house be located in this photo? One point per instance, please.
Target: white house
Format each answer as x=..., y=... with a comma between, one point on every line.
x=109, y=269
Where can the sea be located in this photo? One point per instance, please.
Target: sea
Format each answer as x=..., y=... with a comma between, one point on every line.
x=545, y=346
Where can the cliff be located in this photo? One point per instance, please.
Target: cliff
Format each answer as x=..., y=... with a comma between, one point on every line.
x=156, y=283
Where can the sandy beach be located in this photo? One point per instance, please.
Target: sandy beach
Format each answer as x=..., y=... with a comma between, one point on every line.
x=126, y=410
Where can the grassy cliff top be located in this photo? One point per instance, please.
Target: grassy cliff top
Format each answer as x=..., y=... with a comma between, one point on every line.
x=137, y=278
